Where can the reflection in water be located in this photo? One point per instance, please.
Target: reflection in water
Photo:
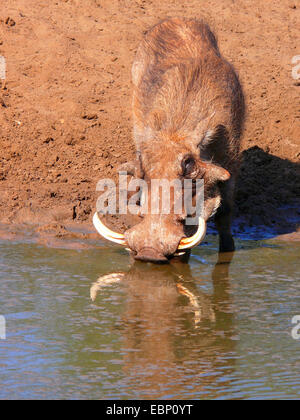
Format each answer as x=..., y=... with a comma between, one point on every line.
x=173, y=332
x=180, y=331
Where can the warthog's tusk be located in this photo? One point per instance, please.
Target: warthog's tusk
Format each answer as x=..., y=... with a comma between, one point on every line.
x=118, y=238
x=185, y=243
x=188, y=243
x=104, y=281
x=194, y=301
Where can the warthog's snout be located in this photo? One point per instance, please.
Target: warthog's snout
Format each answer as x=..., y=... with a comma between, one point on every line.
x=155, y=239
x=150, y=255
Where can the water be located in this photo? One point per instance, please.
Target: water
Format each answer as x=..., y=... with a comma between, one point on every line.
x=204, y=330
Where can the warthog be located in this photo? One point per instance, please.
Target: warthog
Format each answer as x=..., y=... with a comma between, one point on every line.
x=188, y=110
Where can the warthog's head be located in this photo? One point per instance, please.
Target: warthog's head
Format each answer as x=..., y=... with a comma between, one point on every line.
x=163, y=234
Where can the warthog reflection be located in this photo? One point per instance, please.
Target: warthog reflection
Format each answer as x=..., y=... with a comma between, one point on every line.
x=171, y=329
x=160, y=285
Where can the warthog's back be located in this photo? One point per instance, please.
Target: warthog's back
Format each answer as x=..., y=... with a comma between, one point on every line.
x=183, y=87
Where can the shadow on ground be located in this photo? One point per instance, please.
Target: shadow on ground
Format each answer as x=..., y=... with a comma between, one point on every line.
x=267, y=195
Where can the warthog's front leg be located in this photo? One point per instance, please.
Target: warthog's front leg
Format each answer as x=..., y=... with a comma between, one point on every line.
x=223, y=217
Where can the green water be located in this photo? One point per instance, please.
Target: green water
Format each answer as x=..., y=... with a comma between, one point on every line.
x=205, y=330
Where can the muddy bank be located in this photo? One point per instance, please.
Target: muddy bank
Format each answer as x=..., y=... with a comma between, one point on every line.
x=65, y=118
x=53, y=235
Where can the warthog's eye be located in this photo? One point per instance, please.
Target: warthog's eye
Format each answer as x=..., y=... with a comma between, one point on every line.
x=188, y=165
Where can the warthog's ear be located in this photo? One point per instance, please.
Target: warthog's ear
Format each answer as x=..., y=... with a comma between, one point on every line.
x=133, y=168
x=214, y=173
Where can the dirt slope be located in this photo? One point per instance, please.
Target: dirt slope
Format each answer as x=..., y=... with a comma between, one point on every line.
x=65, y=118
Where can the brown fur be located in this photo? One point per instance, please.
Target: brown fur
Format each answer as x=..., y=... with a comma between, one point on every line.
x=187, y=101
